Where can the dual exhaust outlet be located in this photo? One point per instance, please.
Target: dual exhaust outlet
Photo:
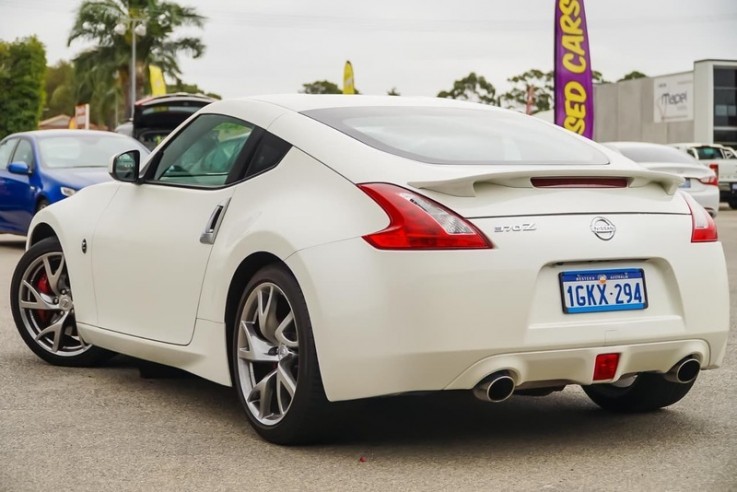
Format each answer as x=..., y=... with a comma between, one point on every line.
x=495, y=388
x=499, y=386
x=684, y=371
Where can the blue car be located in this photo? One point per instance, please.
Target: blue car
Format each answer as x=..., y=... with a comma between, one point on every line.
x=39, y=168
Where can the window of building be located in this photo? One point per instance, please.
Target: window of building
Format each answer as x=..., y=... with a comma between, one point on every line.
x=725, y=106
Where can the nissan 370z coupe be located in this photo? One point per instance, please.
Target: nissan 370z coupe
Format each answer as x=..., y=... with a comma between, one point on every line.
x=315, y=249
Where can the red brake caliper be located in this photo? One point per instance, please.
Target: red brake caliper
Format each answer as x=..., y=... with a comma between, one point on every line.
x=43, y=287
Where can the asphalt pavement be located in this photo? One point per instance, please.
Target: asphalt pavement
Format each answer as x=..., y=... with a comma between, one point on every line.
x=108, y=429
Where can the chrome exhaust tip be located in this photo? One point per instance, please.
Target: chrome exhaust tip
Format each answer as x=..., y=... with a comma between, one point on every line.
x=495, y=388
x=684, y=371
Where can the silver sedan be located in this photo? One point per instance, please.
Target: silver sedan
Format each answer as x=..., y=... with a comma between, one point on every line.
x=699, y=181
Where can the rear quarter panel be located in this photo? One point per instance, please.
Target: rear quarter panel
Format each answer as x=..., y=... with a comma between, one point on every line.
x=299, y=204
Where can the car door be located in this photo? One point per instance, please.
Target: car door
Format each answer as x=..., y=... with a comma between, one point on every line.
x=152, y=243
x=17, y=194
x=6, y=151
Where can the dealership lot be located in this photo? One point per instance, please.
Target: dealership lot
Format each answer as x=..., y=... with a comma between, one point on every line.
x=109, y=429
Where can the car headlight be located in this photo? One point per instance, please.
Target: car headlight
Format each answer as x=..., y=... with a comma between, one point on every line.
x=67, y=191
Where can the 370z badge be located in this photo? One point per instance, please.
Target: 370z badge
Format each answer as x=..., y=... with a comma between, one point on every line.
x=529, y=226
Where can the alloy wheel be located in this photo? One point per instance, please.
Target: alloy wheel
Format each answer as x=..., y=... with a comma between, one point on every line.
x=47, y=307
x=267, y=353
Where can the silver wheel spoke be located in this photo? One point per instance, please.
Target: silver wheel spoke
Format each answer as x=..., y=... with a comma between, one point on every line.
x=279, y=332
x=257, y=350
x=284, y=379
x=266, y=313
x=71, y=332
x=54, y=277
x=57, y=329
x=262, y=393
x=39, y=302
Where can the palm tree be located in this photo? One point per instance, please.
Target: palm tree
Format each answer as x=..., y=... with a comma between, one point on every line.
x=104, y=69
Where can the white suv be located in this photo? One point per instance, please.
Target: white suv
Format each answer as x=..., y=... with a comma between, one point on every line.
x=723, y=160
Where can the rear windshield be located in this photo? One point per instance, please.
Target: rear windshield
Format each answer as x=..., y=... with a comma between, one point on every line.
x=459, y=136
x=84, y=150
x=656, y=154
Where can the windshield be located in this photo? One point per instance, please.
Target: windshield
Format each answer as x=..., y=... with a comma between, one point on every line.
x=84, y=150
x=655, y=154
x=459, y=135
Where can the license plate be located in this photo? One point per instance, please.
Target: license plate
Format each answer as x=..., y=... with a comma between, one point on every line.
x=686, y=184
x=592, y=291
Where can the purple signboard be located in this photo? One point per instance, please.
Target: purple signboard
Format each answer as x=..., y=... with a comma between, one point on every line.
x=574, y=94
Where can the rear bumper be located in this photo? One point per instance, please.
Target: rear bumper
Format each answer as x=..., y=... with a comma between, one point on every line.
x=708, y=197
x=727, y=191
x=558, y=367
x=389, y=322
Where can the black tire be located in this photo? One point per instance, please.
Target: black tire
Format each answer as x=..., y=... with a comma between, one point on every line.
x=42, y=204
x=733, y=204
x=305, y=419
x=649, y=392
x=70, y=350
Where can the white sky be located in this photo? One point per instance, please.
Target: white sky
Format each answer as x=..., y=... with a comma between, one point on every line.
x=418, y=46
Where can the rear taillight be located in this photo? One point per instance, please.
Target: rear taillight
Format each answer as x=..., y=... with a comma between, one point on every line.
x=710, y=180
x=714, y=167
x=703, y=227
x=417, y=222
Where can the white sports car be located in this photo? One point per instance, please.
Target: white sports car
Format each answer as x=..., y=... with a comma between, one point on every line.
x=313, y=249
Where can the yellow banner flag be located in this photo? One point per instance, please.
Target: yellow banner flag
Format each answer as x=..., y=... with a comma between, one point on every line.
x=156, y=76
x=348, y=83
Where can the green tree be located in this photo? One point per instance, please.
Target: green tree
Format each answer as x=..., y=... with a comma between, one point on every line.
x=540, y=84
x=321, y=87
x=103, y=71
x=22, y=95
x=534, y=84
x=472, y=88
x=61, y=93
x=180, y=86
x=634, y=74
x=598, y=78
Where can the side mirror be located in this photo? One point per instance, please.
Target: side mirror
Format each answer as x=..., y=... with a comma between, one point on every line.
x=126, y=166
x=19, y=168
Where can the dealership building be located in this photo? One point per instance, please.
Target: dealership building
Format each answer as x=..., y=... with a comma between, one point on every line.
x=696, y=106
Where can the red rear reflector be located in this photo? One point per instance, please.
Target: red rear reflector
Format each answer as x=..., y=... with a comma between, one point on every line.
x=579, y=182
x=417, y=222
x=703, y=227
x=605, y=366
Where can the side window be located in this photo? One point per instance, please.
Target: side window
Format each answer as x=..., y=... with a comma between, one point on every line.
x=6, y=149
x=23, y=153
x=708, y=153
x=271, y=150
x=204, y=153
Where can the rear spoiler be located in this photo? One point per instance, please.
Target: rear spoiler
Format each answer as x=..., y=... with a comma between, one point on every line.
x=465, y=185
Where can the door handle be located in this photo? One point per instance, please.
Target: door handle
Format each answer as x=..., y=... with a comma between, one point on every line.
x=213, y=224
